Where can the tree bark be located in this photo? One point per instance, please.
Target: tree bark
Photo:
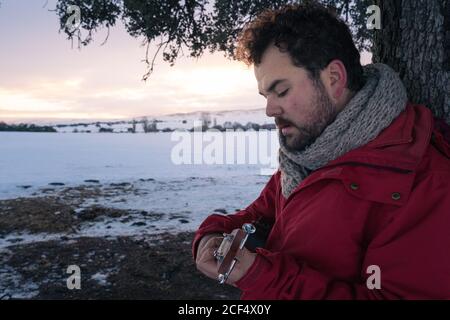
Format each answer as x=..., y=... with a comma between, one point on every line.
x=415, y=41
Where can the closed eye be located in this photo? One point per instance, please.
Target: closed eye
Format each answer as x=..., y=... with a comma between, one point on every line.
x=282, y=94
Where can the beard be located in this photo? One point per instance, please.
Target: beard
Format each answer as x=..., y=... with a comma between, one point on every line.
x=323, y=113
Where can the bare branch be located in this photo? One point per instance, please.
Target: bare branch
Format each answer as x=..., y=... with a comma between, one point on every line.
x=106, y=39
x=152, y=64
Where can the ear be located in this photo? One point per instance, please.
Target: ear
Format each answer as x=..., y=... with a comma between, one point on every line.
x=334, y=77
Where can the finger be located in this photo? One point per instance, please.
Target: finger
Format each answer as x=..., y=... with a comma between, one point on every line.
x=211, y=244
x=214, y=242
x=207, y=237
x=207, y=265
x=207, y=255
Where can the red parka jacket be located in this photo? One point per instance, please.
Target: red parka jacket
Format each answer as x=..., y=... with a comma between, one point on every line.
x=384, y=205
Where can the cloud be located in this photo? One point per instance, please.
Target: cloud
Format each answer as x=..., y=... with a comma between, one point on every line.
x=14, y=101
x=133, y=94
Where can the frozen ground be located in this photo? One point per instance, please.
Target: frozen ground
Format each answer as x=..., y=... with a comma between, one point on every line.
x=128, y=172
x=152, y=206
x=104, y=200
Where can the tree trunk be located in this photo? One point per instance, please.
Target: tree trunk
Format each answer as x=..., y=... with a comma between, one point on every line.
x=415, y=41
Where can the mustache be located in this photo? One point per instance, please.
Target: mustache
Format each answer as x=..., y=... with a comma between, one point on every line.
x=280, y=122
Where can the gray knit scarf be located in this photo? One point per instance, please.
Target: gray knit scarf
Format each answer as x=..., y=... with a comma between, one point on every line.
x=373, y=108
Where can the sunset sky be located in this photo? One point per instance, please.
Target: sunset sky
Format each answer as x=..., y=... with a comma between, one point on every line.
x=43, y=78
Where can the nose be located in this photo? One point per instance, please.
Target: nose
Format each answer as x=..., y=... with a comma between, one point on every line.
x=272, y=108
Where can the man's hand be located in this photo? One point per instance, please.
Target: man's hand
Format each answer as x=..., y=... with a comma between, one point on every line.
x=205, y=261
x=208, y=265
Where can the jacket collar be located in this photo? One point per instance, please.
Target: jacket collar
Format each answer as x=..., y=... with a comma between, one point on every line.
x=400, y=146
x=398, y=149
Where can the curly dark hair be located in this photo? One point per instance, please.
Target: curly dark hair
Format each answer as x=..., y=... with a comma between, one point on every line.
x=312, y=34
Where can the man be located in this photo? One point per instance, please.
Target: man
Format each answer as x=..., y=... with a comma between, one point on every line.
x=360, y=204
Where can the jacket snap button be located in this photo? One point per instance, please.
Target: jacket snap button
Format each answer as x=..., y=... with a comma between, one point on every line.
x=396, y=196
x=354, y=186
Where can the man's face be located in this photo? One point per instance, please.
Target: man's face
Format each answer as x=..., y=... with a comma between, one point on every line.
x=301, y=107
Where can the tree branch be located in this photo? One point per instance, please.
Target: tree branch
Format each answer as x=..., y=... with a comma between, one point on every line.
x=152, y=64
x=106, y=39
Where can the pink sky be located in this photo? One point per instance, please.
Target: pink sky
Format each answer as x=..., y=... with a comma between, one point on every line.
x=42, y=77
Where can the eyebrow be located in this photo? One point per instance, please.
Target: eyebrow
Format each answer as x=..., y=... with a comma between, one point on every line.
x=273, y=85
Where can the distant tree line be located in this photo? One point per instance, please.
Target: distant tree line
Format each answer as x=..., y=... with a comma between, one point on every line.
x=236, y=126
x=147, y=126
x=25, y=127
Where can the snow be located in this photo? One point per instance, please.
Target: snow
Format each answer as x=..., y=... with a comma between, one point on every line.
x=102, y=277
x=13, y=286
x=171, y=205
x=180, y=195
x=26, y=238
x=159, y=195
x=183, y=203
x=41, y=158
x=37, y=159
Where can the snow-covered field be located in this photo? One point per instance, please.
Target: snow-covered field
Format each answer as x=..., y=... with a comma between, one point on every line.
x=66, y=193
x=33, y=162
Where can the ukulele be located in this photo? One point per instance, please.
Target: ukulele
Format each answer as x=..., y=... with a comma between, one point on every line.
x=229, y=248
